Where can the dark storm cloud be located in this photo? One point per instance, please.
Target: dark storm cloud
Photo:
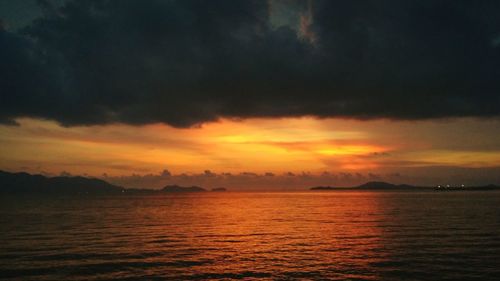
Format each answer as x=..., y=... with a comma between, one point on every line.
x=189, y=62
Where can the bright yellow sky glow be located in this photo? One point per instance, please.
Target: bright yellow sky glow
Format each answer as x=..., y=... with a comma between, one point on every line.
x=254, y=145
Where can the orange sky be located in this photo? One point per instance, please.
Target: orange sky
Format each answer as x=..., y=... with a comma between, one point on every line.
x=255, y=145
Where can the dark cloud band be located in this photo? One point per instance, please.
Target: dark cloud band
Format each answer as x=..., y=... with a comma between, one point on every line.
x=188, y=62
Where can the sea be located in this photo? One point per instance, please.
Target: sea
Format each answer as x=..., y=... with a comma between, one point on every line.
x=334, y=235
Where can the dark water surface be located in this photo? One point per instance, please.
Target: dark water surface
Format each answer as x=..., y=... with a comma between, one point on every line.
x=254, y=236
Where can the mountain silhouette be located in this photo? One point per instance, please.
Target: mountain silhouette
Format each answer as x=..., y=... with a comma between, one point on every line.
x=379, y=185
x=19, y=183
x=24, y=183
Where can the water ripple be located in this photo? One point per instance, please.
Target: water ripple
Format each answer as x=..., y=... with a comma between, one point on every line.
x=251, y=236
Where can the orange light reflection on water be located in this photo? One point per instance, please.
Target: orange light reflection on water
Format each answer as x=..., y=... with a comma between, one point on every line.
x=280, y=230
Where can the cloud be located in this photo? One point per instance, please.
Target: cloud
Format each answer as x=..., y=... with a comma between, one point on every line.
x=165, y=173
x=188, y=62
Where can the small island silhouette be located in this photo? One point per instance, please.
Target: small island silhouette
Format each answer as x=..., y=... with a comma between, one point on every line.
x=177, y=189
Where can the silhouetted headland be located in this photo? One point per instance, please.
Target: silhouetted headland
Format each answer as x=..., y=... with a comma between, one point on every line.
x=24, y=183
x=219, y=189
x=377, y=185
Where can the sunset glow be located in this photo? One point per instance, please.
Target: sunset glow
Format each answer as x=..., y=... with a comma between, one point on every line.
x=256, y=145
x=249, y=140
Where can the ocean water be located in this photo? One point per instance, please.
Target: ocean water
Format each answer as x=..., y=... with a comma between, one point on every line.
x=341, y=235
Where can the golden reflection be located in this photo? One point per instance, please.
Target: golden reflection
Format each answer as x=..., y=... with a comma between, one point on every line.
x=338, y=230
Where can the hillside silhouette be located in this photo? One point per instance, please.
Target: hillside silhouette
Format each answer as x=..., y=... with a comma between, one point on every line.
x=379, y=185
x=24, y=183
x=19, y=183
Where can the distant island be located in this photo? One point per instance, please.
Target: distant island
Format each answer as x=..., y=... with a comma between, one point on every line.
x=24, y=183
x=180, y=189
x=378, y=185
x=219, y=189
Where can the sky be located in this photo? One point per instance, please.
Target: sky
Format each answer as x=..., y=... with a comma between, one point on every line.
x=252, y=94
